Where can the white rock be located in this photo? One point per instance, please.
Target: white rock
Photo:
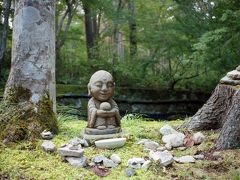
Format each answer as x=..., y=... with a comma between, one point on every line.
x=142, y=141
x=184, y=159
x=48, y=146
x=136, y=163
x=65, y=151
x=151, y=145
x=146, y=165
x=110, y=143
x=77, y=162
x=166, y=130
x=235, y=74
x=168, y=147
x=198, y=138
x=175, y=140
x=116, y=158
x=199, y=157
x=165, y=157
x=109, y=163
x=98, y=159
x=47, y=135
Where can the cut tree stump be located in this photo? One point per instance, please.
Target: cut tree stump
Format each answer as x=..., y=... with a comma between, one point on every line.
x=222, y=110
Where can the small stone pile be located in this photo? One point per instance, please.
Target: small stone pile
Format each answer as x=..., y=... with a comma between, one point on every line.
x=47, y=144
x=232, y=77
x=101, y=160
x=73, y=152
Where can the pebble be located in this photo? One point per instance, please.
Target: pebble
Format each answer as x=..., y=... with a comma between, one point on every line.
x=130, y=172
x=116, y=158
x=48, y=146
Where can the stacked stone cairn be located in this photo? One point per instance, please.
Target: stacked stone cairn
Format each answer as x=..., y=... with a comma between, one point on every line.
x=232, y=77
x=73, y=152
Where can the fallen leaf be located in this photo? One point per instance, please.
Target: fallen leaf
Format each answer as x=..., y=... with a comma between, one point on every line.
x=100, y=171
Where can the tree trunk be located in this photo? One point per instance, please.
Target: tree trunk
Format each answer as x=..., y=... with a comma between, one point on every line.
x=132, y=29
x=91, y=30
x=29, y=97
x=222, y=110
x=7, y=11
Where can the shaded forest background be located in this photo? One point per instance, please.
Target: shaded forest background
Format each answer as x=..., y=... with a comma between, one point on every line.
x=158, y=44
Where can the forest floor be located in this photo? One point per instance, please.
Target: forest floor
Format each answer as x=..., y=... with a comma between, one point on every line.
x=27, y=160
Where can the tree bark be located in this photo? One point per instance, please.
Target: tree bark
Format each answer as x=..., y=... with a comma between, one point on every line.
x=31, y=83
x=132, y=29
x=222, y=110
x=7, y=11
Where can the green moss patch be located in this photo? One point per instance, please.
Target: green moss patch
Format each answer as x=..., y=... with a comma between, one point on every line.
x=27, y=159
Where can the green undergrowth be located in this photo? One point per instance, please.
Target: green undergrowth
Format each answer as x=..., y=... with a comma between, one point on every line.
x=26, y=160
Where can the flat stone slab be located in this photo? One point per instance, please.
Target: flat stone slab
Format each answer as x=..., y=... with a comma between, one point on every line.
x=110, y=143
x=92, y=137
x=184, y=159
x=235, y=75
x=229, y=81
x=164, y=157
x=65, y=151
x=94, y=131
x=48, y=146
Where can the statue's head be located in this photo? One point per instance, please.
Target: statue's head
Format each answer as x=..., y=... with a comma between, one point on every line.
x=101, y=85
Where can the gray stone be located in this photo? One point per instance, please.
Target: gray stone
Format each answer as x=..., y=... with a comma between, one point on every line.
x=47, y=135
x=166, y=130
x=142, y=141
x=116, y=158
x=229, y=81
x=98, y=159
x=109, y=163
x=65, y=151
x=48, y=146
x=151, y=145
x=165, y=157
x=198, y=138
x=110, y=143
x=136, y=163
x=216, y=154
x=235, y=75
x=199, y=157
x=238, y=68
x=75, y=141
x=130, y=172
x=184, y=159
x=146, y=165
x=77, y=161
x=175, y=140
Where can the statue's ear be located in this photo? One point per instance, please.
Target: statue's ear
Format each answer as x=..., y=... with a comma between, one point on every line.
x=89, y=89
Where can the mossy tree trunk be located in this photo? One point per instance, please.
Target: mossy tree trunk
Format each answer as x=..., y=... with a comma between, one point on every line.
x=30, y=90
x=222, y=110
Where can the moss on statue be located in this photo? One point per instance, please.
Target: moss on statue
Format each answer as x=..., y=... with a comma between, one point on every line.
x=21, y=119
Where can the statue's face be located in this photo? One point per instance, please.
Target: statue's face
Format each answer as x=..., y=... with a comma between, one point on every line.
x=102, y=87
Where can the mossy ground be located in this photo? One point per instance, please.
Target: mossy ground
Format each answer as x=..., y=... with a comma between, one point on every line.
x=27, y=160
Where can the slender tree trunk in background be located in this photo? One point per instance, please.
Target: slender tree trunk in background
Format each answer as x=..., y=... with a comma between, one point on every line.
x=30, y=91
x=222, y=110
x=3, y=45
x=92, y=23
x=118, y=52
x=132, y=29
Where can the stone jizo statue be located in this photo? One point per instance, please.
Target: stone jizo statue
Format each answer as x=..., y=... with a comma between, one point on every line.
x=103, y=112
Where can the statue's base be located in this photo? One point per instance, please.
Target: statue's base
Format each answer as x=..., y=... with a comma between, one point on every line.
x=93, y=134
x=107, y=131
x=94, y=137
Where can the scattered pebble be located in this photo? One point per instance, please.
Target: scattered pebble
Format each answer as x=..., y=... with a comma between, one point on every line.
x=130, y=172
x=167, y=129
x=175, y=140
x=115, y=158
x=165, y=157
x=146, y=165
x=47, y=135
x=77, y=162
x=184, y=159
x=199, y=157
x=136, y=163
x=198, y=138
x=48, y=146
